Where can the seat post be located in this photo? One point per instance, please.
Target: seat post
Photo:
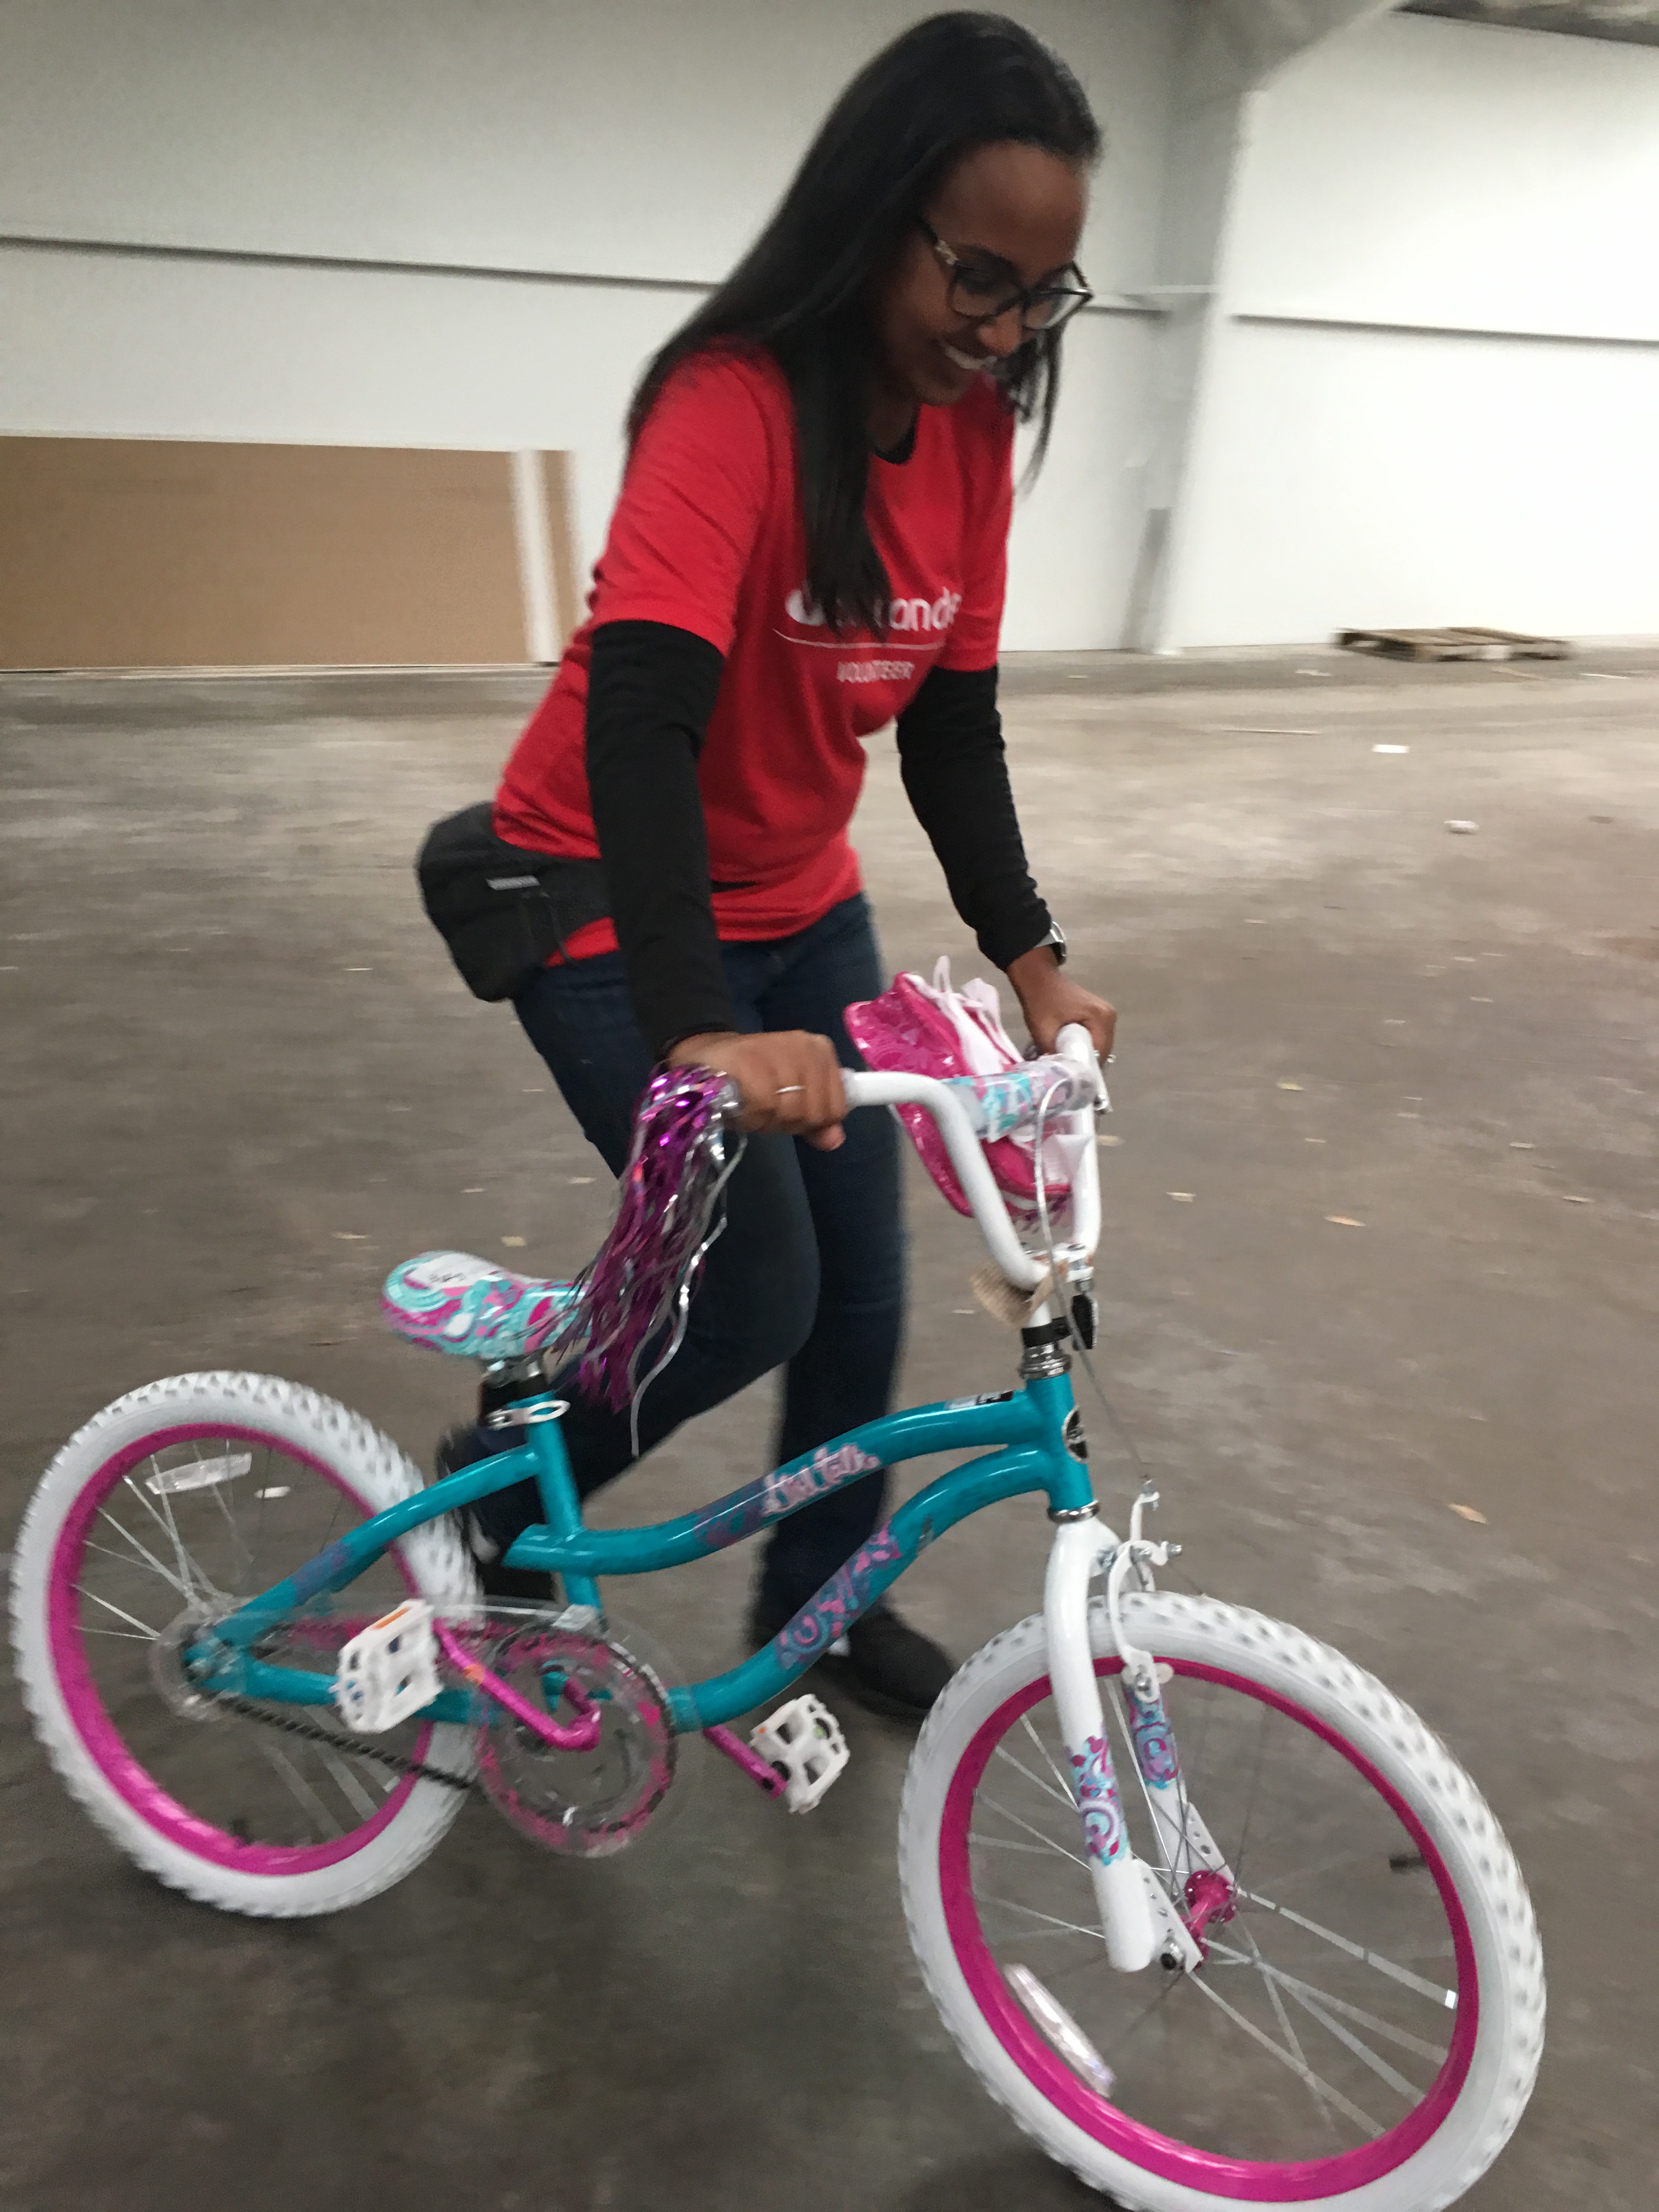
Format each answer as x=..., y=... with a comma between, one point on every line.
x=506, y=1385
x=505, y=1382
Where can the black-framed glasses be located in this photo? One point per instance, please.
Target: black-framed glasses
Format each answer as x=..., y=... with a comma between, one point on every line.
x=984, y=290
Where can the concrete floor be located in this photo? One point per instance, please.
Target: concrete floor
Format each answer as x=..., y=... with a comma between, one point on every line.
x=241, y=1080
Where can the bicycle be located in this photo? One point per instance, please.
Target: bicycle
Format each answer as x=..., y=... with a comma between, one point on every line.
x=1296, y=1965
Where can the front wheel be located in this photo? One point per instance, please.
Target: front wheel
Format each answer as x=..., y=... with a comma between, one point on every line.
x=1365, y=2028
x=171, y=1507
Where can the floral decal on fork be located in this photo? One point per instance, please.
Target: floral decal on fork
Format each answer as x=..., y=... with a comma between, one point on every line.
x=1097, y=1800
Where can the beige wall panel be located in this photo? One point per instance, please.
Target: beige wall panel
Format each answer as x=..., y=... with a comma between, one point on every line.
x=160, y=553
x=568, y=609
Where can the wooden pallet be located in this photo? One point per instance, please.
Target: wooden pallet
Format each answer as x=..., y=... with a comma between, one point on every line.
x=1455, y=644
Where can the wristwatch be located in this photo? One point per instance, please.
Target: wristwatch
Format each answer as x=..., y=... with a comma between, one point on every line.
x=1055, y=941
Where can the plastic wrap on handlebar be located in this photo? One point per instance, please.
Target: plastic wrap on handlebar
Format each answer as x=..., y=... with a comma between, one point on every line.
x=996, y=1104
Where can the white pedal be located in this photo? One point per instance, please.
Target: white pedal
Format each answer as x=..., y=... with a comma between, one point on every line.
x=803, y=1740
x=389, y=1669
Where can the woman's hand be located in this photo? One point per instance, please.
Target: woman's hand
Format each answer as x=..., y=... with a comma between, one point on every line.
x=789, y=1081
x=1049, y=998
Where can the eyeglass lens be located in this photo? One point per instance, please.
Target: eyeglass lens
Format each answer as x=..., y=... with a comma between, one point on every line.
x=981, y=295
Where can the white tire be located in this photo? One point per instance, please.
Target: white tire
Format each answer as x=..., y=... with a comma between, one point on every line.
x=1469, y=2111
x=368, y=1473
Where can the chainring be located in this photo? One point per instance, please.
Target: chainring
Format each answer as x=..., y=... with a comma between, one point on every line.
x=582, y=1804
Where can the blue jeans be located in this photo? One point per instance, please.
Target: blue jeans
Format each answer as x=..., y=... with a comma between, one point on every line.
x=810, y=1273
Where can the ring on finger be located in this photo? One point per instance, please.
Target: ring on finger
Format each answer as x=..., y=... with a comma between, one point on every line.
x=784, y=1087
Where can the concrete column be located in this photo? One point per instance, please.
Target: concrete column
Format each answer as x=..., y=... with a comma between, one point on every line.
x=1231, y=49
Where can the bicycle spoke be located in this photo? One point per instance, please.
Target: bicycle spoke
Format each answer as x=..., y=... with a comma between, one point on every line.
x=232, y=1523
x=1361, y=2051
x=1007, y=1844
x=1071, y=1927
x=1434, y=2053
x=1290, y=2033
x=297, y=1783
x=1058, y=1849
x=167, y=1528
x=183, y=1557
x=261, y=1499
x=1441, y=1996
x=1069, y=1802
x=1067, y=1789
x=1303, y=2073
x=184, y=1587
x=121, y=1559
x=347, y=1782
x=149, y=1633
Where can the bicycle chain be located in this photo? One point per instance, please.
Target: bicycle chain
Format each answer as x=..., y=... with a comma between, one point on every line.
x=418, y=1767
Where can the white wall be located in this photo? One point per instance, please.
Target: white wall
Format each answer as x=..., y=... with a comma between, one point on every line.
x=490, y=147
x=1430, y=392
x=1433, y=395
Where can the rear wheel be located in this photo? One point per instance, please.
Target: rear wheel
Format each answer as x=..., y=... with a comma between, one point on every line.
x=1367, y=2023
x=170, y=1508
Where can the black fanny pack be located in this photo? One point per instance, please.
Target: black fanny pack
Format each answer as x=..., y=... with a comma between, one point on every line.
x=502, y=911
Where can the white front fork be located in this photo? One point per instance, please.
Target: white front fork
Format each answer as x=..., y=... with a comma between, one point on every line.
x=1135, y=1915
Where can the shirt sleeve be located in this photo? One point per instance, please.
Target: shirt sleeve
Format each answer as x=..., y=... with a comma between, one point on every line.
x=988, y=451
x=956, y=777
x=650, y=694
x=690, y=506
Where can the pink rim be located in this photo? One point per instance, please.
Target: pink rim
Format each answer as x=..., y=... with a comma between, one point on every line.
x=1252, y=2181
x=98, y=1732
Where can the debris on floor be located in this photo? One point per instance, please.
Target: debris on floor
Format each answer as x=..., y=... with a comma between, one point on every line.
x=1456, y=644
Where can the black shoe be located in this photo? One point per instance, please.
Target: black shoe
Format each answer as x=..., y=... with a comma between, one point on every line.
x=888, y=1666
x=463, y=1446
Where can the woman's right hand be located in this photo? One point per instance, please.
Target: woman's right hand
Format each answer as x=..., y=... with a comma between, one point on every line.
x=789, y=1080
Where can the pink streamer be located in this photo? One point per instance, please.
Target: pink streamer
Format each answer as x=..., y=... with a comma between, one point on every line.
x=641, y=1282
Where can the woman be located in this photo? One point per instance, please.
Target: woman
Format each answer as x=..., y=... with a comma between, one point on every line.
x=810, y=542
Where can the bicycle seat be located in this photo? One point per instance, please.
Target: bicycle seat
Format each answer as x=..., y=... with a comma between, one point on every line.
x=451, y=1302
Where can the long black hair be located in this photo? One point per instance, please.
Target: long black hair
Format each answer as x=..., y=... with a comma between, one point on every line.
x=946, y=85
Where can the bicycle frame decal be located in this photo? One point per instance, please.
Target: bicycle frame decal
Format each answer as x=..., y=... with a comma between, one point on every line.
x=729, y=1520
x=317, y=1574
x=839, y=1603
x=1103, y=1832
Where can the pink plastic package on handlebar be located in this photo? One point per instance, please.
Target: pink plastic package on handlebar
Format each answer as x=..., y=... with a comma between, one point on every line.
x=920, y=1029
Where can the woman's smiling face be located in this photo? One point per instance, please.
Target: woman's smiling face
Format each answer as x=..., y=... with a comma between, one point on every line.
x=1011, y=216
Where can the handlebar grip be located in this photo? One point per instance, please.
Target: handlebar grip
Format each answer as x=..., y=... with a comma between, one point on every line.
x=1075, y=1043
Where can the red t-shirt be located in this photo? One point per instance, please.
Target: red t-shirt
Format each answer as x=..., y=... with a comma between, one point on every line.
x=708, y=536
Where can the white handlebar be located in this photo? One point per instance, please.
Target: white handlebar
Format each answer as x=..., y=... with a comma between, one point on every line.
x=979, y=1185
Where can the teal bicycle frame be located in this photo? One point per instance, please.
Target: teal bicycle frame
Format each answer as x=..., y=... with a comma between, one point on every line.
x=1021, y=1435
x=1026, y=1438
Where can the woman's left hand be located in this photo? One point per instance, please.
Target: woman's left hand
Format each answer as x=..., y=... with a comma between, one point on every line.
x=1049, y=998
